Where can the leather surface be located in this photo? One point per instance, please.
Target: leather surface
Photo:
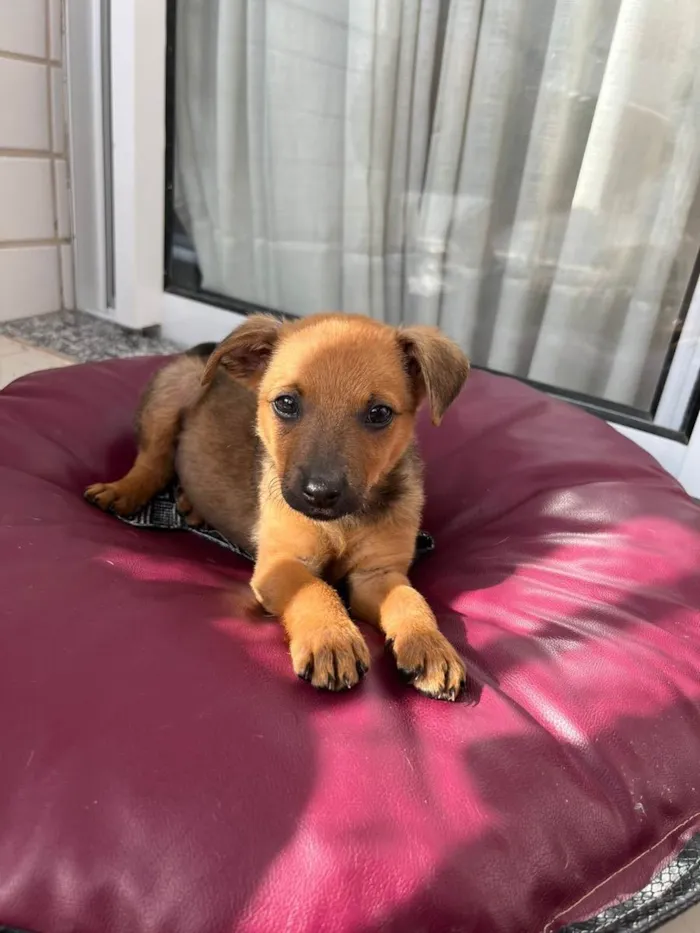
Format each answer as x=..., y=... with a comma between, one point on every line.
x=163, y=771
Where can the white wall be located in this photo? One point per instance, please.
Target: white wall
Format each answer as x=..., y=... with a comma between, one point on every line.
x=36, y=257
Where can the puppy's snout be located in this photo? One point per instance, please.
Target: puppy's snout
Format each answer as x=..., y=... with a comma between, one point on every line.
x=323, y=491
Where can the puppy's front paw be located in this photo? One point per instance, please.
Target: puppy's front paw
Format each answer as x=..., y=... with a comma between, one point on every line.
x=330, y=658
x=430, y=663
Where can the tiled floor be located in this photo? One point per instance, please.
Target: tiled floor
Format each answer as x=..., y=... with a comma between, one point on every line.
x=18, y=359
x=82, y=337
x=64, y=337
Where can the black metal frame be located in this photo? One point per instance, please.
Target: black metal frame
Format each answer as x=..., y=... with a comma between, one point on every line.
x=609, y=411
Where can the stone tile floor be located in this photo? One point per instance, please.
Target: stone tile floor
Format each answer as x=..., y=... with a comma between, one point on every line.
x=51, y=340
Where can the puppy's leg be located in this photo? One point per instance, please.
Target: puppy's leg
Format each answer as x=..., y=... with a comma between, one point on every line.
x=386, y=599
x=158, y=425
x=326, y=646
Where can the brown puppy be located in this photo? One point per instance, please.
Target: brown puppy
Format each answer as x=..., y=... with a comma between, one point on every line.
x=296, y=440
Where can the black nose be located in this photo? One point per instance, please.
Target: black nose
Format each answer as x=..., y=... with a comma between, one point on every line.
x=322, y=491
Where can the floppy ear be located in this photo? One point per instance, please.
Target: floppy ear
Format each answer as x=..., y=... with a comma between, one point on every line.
x=436, y=365
x=246, y=352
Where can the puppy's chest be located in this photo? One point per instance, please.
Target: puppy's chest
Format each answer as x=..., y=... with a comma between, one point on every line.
x=325, y=552
x=339, y=550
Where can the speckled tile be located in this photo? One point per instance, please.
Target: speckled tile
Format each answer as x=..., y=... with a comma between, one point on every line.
x=84, y=338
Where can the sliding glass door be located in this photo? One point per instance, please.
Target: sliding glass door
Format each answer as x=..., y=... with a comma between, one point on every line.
x=523, y=173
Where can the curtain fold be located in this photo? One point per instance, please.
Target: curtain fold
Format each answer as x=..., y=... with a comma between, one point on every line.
x=433, y=204
x=572, y=74
x=520, y=172
x=620, y=226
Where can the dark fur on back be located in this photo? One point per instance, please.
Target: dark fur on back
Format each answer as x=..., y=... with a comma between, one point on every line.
x=203, y=350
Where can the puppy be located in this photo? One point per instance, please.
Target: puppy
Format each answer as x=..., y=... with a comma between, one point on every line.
x=296, y=441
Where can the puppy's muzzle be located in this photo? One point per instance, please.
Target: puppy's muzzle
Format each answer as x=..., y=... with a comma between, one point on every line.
x=322, y=496
x=323, y=492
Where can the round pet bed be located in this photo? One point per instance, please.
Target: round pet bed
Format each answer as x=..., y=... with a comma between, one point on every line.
x=164, y=771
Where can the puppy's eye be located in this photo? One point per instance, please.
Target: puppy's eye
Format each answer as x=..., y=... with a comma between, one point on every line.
x=379, y=416
x=287, y=407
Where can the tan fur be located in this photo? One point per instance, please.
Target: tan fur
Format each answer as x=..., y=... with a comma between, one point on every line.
x=213, y=423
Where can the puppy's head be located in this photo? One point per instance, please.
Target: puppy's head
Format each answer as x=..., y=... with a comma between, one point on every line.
x=337, y=400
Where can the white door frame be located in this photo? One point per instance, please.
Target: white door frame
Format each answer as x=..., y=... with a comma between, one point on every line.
x=137, y=78
x=138, y=37
x=126, y=90
x=87, y=117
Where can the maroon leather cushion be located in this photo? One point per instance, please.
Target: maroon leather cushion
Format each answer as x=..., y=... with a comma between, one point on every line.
x=163, y=769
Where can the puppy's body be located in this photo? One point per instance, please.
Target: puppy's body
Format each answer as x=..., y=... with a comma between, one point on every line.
x=218, y=459
x=296, y=442
x=221, y=466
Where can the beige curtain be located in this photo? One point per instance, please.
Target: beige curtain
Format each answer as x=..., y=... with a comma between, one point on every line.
x=523, y=173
